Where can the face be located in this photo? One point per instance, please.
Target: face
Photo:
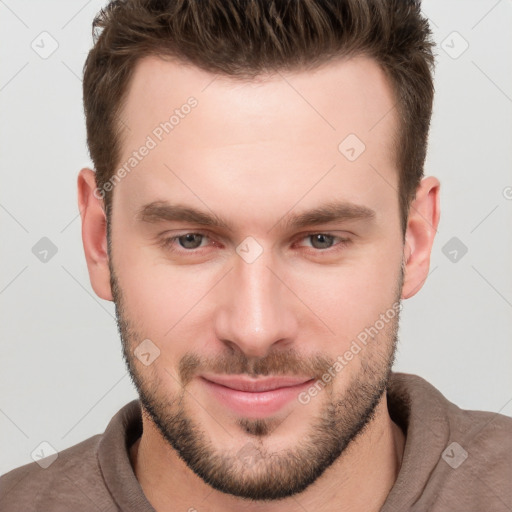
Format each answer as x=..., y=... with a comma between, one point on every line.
x=263, y=261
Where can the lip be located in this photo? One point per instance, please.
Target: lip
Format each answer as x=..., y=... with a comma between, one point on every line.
x=254, y=398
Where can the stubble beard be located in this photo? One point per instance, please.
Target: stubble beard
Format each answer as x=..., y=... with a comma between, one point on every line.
x=253, y=471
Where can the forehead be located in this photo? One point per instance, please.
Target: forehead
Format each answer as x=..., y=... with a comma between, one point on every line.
x=267, y=134
x=346, y=94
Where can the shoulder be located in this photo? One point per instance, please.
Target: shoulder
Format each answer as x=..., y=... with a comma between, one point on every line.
x=72, y=481
x=427, y=409
x=461, y=459
x=486, y=437
x=475, y=467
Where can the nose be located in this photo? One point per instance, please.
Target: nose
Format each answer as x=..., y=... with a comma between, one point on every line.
x=256, y=310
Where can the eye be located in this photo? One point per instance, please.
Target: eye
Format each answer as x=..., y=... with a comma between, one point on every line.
x=324, y=241
x=190, y=240
x=184, y=242
x=321, y=240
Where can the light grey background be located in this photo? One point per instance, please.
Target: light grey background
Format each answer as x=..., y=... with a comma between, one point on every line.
x=62, y=375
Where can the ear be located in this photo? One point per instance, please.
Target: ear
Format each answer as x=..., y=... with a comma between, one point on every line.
x=419, y=237
x=94, y=233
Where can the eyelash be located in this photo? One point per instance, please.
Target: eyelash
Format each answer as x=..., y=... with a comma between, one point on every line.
x=168, y=243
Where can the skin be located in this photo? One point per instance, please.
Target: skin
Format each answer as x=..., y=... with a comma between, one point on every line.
x=255, y=153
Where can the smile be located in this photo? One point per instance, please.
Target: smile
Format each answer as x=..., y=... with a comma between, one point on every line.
x=254, y=398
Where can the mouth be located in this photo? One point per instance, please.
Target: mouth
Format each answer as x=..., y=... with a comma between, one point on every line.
x=254, y=398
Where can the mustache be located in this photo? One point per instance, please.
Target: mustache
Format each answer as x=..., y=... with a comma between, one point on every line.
x=287, y=362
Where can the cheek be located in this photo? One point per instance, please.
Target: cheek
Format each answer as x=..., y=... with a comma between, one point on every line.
x=351, y=296
x=159, y=298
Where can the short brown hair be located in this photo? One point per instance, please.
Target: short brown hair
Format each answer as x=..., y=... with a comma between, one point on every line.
x=245, y=38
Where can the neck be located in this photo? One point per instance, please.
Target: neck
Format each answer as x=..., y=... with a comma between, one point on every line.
x=360, y=479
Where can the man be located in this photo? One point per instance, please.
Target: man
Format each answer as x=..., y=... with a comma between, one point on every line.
x=257, y=212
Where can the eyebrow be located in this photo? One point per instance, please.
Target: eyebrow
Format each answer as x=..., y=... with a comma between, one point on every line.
x=163, y=211
x=334, y=211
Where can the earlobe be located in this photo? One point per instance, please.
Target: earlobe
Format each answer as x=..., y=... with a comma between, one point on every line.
x=422, y=225
x=94, y=233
